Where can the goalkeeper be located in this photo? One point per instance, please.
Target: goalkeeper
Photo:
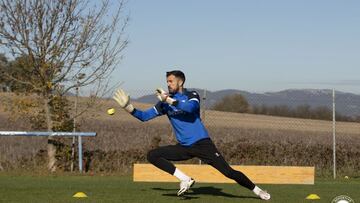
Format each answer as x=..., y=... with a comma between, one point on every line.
x=183, y=110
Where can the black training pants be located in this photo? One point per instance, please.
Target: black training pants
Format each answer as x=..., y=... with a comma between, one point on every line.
x=203, y=149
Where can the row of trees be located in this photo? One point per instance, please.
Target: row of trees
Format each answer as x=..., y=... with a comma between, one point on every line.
x=56, y=47
x=238, y=104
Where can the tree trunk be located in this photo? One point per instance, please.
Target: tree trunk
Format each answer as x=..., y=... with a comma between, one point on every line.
x=50, y=147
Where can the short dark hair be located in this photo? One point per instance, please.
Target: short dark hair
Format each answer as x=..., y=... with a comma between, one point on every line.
x=176, y=73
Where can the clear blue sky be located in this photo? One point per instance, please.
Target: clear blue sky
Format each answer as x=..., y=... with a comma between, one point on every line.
x=250, y=45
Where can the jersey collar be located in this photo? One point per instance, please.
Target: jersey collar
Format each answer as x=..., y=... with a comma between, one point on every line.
x=178, y=94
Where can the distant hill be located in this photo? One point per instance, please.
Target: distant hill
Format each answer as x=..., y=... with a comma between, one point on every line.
x=346, y=103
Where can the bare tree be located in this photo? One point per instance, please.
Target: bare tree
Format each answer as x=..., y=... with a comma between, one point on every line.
x=63, y=39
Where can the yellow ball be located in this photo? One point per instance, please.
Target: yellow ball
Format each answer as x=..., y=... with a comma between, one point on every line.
x=111, y=111
x=346, y=177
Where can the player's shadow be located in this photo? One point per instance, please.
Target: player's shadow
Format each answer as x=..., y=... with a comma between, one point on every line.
x=209, y=190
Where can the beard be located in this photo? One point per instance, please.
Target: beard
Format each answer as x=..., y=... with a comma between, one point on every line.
x=173, y=91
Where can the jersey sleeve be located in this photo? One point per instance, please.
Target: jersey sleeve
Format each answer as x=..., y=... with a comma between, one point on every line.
x=160, y=108
x=191, y=105
x=194, y=96
x=149, y=114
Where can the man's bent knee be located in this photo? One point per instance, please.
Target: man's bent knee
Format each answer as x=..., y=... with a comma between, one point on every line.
x=152, y=156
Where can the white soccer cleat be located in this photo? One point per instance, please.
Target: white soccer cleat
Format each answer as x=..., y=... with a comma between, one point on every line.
x=185, y=186
x=264, y=195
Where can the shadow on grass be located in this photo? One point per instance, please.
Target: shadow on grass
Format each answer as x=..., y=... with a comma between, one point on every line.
x=193, y=192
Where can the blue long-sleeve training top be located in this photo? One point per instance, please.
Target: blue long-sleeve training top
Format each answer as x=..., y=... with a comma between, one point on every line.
x=184, y=116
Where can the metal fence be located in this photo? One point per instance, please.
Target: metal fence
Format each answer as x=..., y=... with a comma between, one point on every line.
x=279, y=136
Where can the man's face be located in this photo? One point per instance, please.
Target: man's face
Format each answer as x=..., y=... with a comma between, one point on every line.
x=174, y=84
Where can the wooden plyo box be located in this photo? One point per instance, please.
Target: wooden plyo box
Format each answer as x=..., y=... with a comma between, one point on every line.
x=207, y=174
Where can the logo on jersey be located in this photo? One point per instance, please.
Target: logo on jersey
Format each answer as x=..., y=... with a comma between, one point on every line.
x=173, y=111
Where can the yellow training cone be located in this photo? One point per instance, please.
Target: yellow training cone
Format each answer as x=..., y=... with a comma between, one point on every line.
x=80, y=195
x=313, y=196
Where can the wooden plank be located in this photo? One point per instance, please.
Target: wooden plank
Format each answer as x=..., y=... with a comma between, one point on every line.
x=207, y=174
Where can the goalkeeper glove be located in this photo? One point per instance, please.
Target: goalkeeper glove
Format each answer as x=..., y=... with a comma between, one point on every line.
x=164, y=96
x=123, y=99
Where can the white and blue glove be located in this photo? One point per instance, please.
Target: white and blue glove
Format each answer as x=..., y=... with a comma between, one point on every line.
x=164, y=96
x=123, y=99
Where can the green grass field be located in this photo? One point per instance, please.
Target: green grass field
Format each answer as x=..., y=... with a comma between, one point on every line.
x=122, y=189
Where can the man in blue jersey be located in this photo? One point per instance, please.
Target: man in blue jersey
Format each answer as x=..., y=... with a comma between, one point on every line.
x=183, y=110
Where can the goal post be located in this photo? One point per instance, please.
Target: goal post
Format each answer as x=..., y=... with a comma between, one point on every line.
x=53, y=134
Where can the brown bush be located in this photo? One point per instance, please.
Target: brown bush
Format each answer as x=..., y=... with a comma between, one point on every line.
x=232, y=103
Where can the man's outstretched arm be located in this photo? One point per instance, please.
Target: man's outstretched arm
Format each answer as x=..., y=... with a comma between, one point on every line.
x=123, y=99
x=145, y=115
